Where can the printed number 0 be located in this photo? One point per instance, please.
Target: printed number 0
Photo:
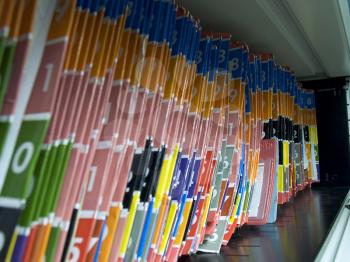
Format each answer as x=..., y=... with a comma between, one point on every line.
x=2, y=240
x=27, y=149
x=194, y=91
x=226, y=163
x=194, y=219
x=215, y=192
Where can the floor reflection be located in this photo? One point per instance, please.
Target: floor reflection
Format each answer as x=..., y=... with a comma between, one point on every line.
x=298, y=234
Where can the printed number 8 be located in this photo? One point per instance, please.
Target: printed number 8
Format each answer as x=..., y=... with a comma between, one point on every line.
x=233, y=64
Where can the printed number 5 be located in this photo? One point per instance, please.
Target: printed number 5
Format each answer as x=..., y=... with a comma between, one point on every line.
x=75, y=252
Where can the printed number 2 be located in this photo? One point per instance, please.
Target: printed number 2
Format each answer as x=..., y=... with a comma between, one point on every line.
x=22, y=157
x=93, y=171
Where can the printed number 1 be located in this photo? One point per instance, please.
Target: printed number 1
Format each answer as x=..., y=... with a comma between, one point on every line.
x=49, y=69
x=93, y=171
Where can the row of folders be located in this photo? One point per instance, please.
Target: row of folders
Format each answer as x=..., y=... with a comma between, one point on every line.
x=143, y=136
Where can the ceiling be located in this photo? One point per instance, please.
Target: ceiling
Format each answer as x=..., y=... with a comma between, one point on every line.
x=311, y=36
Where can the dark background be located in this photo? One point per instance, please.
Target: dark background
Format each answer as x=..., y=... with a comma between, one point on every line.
x=333, y=133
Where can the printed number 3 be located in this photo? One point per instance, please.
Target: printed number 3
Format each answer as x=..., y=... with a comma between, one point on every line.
x=199, y=57
x=222, y=56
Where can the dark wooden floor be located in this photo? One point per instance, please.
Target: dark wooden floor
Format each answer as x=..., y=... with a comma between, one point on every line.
x=298, y=234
